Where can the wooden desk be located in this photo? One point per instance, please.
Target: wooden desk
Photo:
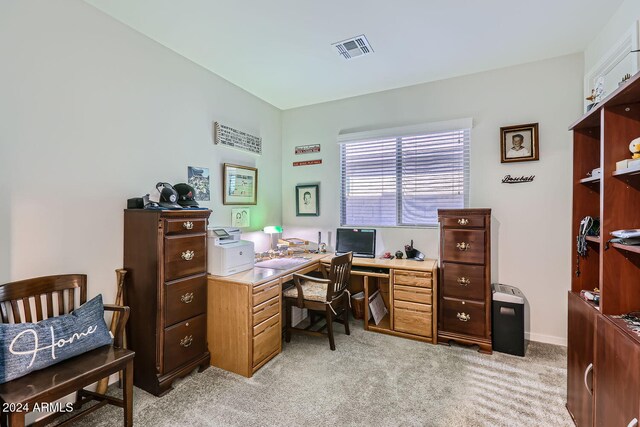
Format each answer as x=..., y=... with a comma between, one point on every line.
x=244, y=316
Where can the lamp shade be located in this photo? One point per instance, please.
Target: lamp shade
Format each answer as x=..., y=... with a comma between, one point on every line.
x=272, y=229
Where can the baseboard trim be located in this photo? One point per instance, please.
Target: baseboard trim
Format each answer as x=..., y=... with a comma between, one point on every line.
x=549, y=339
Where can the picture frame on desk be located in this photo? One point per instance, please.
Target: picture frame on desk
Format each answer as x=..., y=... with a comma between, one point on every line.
x=240, y=185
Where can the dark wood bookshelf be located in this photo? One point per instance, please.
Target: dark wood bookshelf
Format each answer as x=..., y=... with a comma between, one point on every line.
x=594, y=239
x=590, y=180
x=627, y=172
x=628, y=248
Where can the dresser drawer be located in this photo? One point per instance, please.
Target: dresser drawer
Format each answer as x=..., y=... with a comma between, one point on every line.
x=266, y=310
x=463, y=281
x=185, y=225
x=412, y=278
x=412, y=294
x=265, y=292
x=184, y=342
x=184, y=256
x=463, y=221
x=185, y=298
x=412, y=318
x=464, y=317
x=266, y=339
x=464, y=246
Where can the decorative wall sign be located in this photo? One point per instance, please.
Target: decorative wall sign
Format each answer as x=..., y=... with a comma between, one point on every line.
x=240, y=185
x=308, y=162
x=305, y=149
x=226, y=135
x=198, y=178
x=508, y=179
x=519, y=143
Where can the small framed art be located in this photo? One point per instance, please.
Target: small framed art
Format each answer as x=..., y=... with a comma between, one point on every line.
x=519, y=143
x=308, y=200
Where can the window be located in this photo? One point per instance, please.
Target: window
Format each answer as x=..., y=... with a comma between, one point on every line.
x=403, y=179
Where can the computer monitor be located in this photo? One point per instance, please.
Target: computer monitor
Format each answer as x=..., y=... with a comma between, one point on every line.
x=360, y=241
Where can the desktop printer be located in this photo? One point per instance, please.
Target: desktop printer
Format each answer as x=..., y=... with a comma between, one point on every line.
x=227, y=253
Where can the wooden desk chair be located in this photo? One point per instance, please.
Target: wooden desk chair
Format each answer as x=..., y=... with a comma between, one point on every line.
x=328, y=295
x=62, y=379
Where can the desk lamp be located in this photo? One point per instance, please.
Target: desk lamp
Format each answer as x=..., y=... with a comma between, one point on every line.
x=271, y=230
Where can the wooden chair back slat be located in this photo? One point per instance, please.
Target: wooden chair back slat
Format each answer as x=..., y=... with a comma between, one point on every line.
x=27, y=309
x=38, y=299
x=339, y=274
x=12, y=293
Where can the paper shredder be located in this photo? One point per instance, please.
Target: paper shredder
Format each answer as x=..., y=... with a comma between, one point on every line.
x=507, y=320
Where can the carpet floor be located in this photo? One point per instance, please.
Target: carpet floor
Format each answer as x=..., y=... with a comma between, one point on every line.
x=371, y=379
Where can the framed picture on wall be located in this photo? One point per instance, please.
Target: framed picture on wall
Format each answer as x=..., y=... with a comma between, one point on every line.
x=240, y=217
x=307, y=200
x=240, y=185
x=519, y=143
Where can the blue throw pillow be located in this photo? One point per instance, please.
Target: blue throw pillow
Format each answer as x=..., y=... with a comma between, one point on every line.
x=27, y=347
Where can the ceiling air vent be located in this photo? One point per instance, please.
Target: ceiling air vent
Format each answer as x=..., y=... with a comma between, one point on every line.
x=353, y=47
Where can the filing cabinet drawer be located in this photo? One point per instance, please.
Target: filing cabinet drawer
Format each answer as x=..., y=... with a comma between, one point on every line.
x=412, y=318
x=463, y=281
x=266, y=310
x=184, y=342
x=412, y=294
x=464, y=317
x=266, y=339
x=265, y=292
x=185, y=226
x=464, y=246
x=412, y=278
x=185, y=299
x=184, y=256
x=463, y=221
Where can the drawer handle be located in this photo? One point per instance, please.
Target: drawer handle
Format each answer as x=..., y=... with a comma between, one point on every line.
x=633, y=423
x=463, y=281
x=464, y=317
x=188, y=255
x=187, y=225
x=588, y=369
x=187, y=298
x=463, y=246
x=463, y=221
x=186, y=341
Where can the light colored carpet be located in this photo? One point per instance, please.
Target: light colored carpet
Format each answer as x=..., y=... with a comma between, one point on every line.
x=371, y=379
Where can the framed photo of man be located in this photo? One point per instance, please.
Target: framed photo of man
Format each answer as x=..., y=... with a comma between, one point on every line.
x=519, y=143
x=307, y=200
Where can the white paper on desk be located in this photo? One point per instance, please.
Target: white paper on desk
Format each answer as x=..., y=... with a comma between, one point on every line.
x=377, y=307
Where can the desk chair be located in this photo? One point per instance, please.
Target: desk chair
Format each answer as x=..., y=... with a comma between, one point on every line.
x=328, y=295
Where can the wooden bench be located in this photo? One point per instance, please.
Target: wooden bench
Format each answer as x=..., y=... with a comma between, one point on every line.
x=20, y=396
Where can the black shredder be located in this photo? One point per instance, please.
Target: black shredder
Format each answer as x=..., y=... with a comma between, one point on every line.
x=507, y=319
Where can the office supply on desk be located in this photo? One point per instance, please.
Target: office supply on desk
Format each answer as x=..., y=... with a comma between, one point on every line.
x=282, y=263
x=329, y=296
x=360, y=241
x=271, y=230
x=228, y=254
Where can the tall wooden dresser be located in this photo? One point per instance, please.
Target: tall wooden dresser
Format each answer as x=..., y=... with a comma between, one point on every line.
x=165, y=255
x=465, y=277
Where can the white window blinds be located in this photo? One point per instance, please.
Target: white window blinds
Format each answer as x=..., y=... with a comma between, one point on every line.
x=403, y=180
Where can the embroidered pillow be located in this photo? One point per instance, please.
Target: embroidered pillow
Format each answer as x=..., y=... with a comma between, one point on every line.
x=27, y=347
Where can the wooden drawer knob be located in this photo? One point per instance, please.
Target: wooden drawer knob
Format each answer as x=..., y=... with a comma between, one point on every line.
x=463, y=221
x=463, y=317
x=188, y=255
x=463, y=246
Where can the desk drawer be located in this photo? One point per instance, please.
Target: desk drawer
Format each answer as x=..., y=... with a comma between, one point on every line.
x=412, y=278
x=412, y=294
x=463, y=221
x=184, y=256
x=265, y=292
x=412, y=318
x=266, y=339
x=266, y=310
x=185, y=226
x=184, y=342
x=464, y=317
x=464, y=246
x=185, y=299
x=463, y=281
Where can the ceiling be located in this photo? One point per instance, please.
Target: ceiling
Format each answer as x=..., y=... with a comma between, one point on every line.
x=280, y=50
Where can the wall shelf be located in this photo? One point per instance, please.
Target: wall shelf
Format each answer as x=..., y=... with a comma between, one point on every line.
x=590, y=180
x=627, y=172
x=628, y=248
x=593, y=239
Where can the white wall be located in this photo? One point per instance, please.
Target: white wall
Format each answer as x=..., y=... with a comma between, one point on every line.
x=621, y=21
x=94, y=113
x=533, y=220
